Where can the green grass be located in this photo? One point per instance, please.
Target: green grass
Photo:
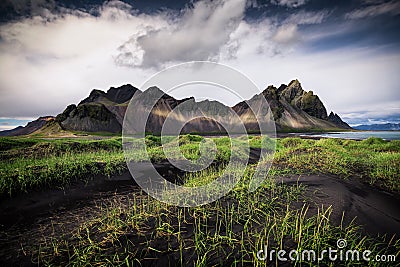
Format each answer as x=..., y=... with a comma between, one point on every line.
x=228, y=232
x=132, y=230
x=33, y=163
x=22, y=175
x=7, y=143
x=373, y=160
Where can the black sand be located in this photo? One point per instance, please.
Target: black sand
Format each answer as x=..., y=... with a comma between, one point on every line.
x=377, y=211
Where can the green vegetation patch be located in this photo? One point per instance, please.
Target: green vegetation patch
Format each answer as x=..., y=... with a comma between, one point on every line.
x=7, y=143
x=373, y=160
x=228, y=232
x=27, y=163
x=134, y=229
x=33, y=164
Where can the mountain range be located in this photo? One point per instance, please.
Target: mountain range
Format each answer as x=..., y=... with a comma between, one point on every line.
x=379, y=127
x=292, y=108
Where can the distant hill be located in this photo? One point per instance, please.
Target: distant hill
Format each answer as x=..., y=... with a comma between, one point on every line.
x=293, y=109
x=31, y=127
x=379, y=127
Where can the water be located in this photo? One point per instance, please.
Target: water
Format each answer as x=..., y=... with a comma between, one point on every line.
x=386, y=135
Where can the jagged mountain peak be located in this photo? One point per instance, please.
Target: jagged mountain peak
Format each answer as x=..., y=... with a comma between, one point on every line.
x=124, y=87
x=118, y=95
x=292, y=108
x=294, y=83
x=121, y=94
x=334, y=118
x=296, y=96
x=94, y=95
x=154, y=91
x=293, y=91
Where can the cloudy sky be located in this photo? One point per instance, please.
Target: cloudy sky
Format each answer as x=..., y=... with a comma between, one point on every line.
x=53, y=53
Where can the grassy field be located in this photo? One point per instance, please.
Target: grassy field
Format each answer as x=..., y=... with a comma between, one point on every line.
x=133, y=229
x=34, y=164
x=30, y=164
x=228, y=232
x=373, y=160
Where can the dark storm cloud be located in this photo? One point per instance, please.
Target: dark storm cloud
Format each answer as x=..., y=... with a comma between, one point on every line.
x=14, y=9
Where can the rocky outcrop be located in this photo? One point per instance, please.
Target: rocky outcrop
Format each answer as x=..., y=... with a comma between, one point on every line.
x=121, y=94
x=89, y=117
x=334, y=118
x=116, y=99
x=293, y=109
x=306, y=101
x=99, y=112
x=116, y=95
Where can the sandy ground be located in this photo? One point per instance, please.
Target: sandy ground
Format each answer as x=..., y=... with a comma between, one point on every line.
x=377, y=211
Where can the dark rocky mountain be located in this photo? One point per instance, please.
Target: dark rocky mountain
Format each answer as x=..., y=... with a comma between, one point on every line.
x=184, y=111
x=294, y=95
x=99, y=112
x=292, y=108
x=117, y=95
x=333, y=117
x=89, y=117
x=379, y=127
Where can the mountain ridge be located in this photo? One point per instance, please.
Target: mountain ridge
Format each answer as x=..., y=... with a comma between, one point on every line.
x=379, y=127
x=293, y=109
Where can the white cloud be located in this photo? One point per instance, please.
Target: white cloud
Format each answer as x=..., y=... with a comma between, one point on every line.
x=289, y=3
x=389, y=8
x=197, y=35
x=374, y=114
x=248, y=39
x=45, y=65
x=306, y=18
x=50, y=61
x=348, y=80
x=287, y=34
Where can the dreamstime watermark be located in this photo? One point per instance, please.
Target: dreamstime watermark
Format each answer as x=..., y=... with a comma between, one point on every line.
x=340, y=253
x=151, y=111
